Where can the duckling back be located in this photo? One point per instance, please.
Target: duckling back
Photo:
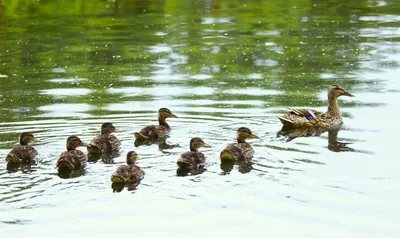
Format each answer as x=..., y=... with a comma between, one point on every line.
x=71, y=160
x=127, y=174
x=24, y=154
x=237, y=151
x=191, y=160
x=103, y=144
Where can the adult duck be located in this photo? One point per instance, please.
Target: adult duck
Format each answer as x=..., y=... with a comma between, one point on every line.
x=309, y=117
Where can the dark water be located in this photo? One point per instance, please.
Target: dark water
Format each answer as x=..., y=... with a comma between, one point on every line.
x=68, y=66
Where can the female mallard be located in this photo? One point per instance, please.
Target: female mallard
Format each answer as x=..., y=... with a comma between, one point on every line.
x=155, y=132
x=105, y=143
x=193, y=159
x=23, y=153
x=129, y=173
x=72, y=159
x=308, y=117
x=241, y=150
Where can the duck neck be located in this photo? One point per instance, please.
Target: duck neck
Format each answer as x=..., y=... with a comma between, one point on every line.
x=333, y=108
x=162, y=122
x=240, y=140
x=193, y=148
x=70, y=148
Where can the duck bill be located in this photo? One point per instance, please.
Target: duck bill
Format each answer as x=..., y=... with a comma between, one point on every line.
x=173, y=116
x=345, y=93
x=252, y=136
x=205, y=145
x=116, y=130
x=84, y=144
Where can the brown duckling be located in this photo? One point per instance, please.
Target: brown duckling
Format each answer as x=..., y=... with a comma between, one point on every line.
x=72, y=159
x=129, y=173
x=105, y=143
x=23, y=153
x=240, y=150
x=193, y=159
x=308, y=117
x=159, y=131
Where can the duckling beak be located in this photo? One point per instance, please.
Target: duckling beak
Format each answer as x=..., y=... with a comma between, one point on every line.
x=345, y=93
x=83, y=144
x=35, y=140
x=205, y=145
x=116, y=130
x=173, y=116
x=252, y=136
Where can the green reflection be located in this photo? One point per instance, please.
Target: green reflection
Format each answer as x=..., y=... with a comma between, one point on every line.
x=296, y=48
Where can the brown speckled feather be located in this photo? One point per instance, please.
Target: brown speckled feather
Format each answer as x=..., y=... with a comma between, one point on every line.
x=239, y=151
x=191, y=160
x=104, y=144
x=152, y=132
x=21, y=154
x=128, y=174
x=298, y=118
x=76, y=158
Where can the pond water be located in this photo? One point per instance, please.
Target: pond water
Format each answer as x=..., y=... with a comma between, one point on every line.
x=218, y=66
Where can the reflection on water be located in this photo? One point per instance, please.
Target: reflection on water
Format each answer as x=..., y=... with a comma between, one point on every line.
x=333, y=143
x=219, y=65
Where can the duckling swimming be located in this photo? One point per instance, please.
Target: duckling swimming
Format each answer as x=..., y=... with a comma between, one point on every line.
x=105, y=142
x=193, y=159
x=129, y=173
x=23, y=153
x=240, y=150
x=308, y=117
x=156, y=131
x=72, y=159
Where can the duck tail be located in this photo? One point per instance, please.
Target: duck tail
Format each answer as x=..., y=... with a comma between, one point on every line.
x=226, y=155
x=117, y=179
x=64, y=166
x=183, y=165
x=286, y=122
x=139, y=136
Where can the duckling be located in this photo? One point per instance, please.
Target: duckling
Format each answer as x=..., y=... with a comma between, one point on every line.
x=240, y=150
x=193, y=159
x=308, y=117
x=159, y=131
x=105, y=143
x=23, y=153
x=72, y=159
x=129, y=173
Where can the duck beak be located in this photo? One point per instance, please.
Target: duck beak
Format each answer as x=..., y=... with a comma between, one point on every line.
x=116, y=130
x=173, y=116
x=35, y=140
x=84, y=144
x=252, y=136
x=345, y=93
x=205, y=145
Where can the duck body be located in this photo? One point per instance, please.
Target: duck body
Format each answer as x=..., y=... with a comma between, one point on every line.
x=241, y=150
x=155, y=132
x=106, y=142
x=72, y=159
x=23, y=153
x=192, y=161
x=237, y=152
x=297, y=117
x=129, y=173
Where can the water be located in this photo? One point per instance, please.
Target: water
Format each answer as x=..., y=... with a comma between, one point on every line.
x=218, y=66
